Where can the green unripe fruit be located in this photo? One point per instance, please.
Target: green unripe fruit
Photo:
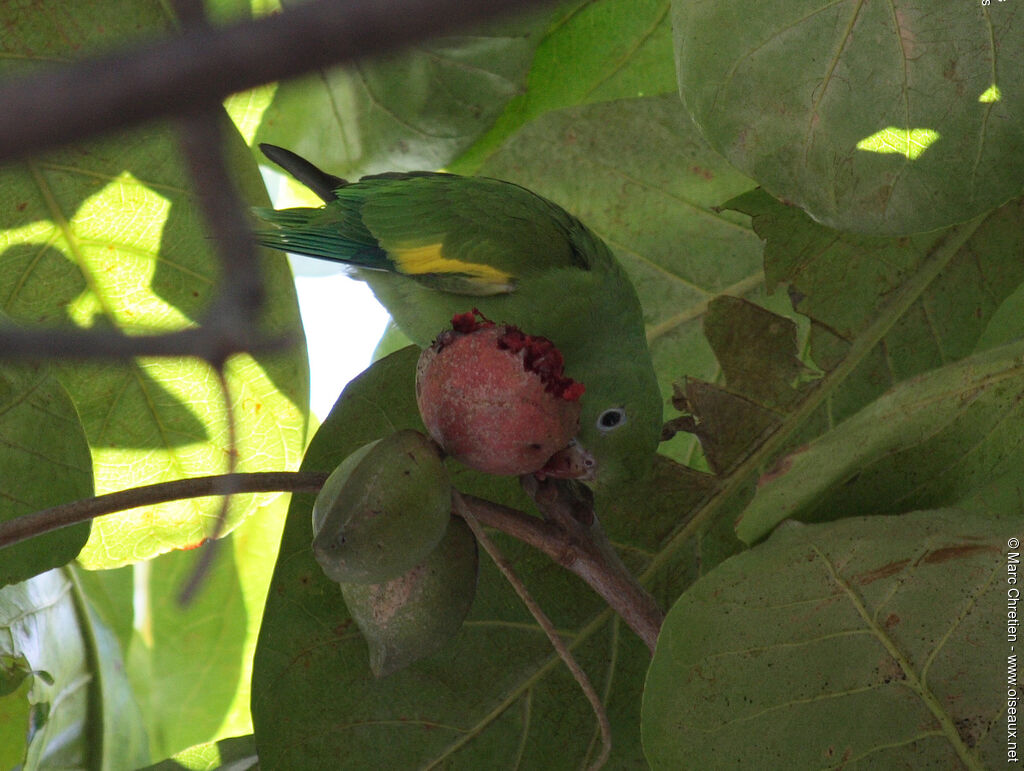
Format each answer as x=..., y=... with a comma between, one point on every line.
x=418, y=612
x=382, y=511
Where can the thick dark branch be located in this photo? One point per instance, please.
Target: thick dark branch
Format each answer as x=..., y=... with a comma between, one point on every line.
x=211, y=342
x=39, y=522
x=240, y=293
x=206, y=64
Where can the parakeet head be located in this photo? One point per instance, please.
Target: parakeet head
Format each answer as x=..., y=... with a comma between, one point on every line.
x=620, y=423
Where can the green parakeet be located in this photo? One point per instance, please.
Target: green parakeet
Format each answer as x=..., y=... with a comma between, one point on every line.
x=433, y=245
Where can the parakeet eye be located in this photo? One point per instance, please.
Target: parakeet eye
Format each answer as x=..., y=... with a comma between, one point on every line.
x=610, y=419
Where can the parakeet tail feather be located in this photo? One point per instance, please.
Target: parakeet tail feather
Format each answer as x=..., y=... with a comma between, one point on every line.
x=294, y=232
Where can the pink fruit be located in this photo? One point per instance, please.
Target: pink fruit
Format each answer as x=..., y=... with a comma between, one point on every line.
x=497, y=399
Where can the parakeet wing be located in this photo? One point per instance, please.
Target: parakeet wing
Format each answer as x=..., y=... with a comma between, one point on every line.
x=468, y=235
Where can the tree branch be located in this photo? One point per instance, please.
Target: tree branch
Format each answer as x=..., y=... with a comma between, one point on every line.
x=39, y=522
x=464, y=510
x=210, y=341
x=580, y=547
x=572, y=537
x=205, y=64
x=586, y=551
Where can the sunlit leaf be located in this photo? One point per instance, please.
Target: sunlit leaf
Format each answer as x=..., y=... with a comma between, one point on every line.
x=991, y=94
x=786, y=91
x=191, y=666
x=907, y=142
x=108, y=234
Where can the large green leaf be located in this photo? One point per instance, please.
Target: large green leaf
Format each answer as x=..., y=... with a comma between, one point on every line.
x=416, y=109
x=496, y=687
x=927, y=443
x=84, y=715
x=191, y=666
x=107, y=234
x=871, y=642
x=872, y=117
x=591, y=51
x=896, y=307
x=45, y=460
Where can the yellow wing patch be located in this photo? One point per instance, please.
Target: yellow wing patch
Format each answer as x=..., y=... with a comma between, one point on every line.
x=418, y=260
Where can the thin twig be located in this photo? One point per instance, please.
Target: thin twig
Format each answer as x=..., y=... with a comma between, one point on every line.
x=39, y=522
x=168, y=77
x=464, y=511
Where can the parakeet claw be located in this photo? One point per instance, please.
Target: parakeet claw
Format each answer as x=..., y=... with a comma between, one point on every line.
x=571, y=463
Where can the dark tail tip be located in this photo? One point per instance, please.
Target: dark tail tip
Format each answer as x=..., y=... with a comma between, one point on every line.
x=320, y=182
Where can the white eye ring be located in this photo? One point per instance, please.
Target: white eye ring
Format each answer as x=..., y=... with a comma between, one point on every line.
x=611, y=419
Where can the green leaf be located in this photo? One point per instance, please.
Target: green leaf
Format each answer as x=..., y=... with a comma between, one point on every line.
x=185, y=663
x=46, y=461
x=191, y=666
x=417, y=109
x=591, y=51
x=874, y=119
x=117, y=720
x=872, y=641
x=1006, y=323
x=16, y=679
x=927, y=443
x=927, y=298
x=235, y=754
x=108, y=234
x=84, y=714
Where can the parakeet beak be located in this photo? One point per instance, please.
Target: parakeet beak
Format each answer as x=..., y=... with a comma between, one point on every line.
x=571, y=463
